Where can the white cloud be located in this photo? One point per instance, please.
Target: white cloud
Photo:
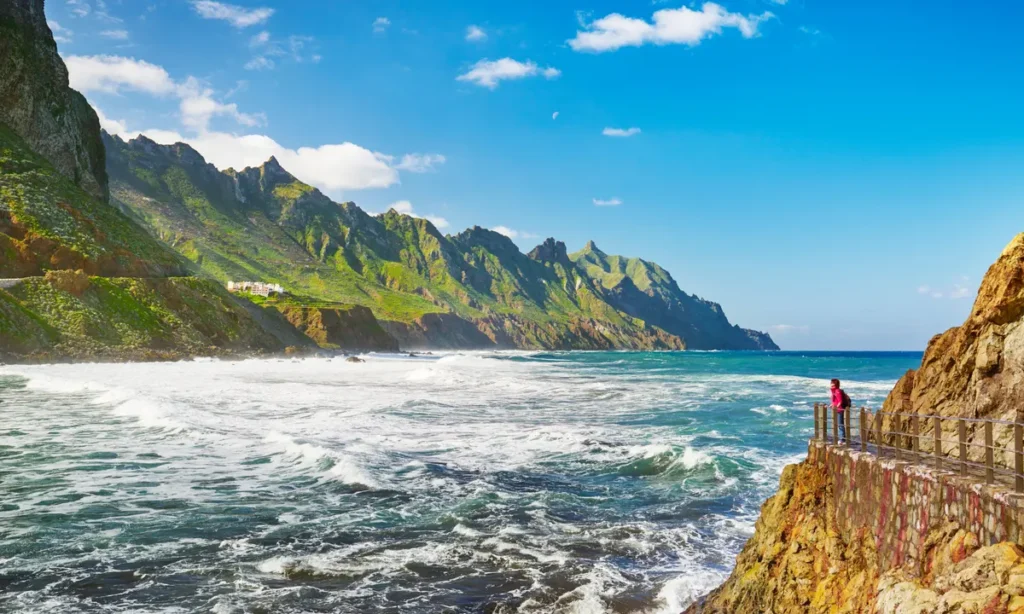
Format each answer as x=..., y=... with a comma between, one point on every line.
x=620, y=132
x=260, y=39
x=812, y=31
x=958, y=291
x=437, y=221
x=420, y=163
x=487, y=73
x=113, y=126
x=238, y=16
x=119, y=35
x=779, y=2
x=60, y=33
x=79, y=7
x=107, y=73
x=785, y=329
x=332, y=167
x=611, y=202
x=380, y=24
x=475, y=33
x=554, y=115
x=684, y=26
x=259, y=62
x=505, y=230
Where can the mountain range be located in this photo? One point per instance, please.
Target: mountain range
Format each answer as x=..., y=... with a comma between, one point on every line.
x=427, y=289
x=114, y=248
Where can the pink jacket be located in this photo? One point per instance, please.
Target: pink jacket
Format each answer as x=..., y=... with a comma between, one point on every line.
x=837, y=398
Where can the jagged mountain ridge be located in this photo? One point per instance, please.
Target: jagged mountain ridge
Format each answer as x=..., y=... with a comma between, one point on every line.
x=472, y=289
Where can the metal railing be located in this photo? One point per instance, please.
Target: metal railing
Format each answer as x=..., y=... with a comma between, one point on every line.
x=921, y=439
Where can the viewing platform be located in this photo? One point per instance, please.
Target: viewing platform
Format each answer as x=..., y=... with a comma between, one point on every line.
x=914, y=480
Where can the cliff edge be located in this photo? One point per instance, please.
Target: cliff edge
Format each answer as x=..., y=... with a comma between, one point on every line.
x=848, y=532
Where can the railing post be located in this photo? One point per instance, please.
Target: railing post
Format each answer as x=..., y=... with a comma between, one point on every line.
x=861, y=429
x=817, y=422
x=835, y=426
x=877, y=423
x=916, y=427
x=846, y=419
x=897, y=433
x=989, y=474
x=1018, y=455
x=937, y=425
x=961, y=428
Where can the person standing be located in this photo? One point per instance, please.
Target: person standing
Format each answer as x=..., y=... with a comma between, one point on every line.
x=840, y=402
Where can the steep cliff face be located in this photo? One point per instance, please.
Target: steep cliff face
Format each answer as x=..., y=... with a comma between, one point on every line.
x=977, y=369
x=475, y=289
x=37, y=104
x=352, y=328
x=646, y=291
x=850, y=533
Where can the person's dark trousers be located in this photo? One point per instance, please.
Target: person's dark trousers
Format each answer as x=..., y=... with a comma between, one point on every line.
x=841, y=417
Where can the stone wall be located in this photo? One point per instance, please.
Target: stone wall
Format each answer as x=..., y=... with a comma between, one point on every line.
x=902, y=504
x=849, y=533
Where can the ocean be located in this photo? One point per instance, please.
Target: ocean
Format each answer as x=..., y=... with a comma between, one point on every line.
x=460, y=482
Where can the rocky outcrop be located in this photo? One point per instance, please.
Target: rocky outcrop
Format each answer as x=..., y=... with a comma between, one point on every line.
x=350, y=328
x=36, y=102
x=850, y=533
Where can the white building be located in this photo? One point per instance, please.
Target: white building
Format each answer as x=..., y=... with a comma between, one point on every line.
x=258, y=288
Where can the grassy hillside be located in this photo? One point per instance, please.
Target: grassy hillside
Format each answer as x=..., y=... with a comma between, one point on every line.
x=471, y=289
x=68, y=315
x=47, y=222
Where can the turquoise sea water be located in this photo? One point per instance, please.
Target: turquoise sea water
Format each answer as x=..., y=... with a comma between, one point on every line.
x=470, y=482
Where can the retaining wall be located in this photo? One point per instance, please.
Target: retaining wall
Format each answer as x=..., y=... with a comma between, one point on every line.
x=901, y=504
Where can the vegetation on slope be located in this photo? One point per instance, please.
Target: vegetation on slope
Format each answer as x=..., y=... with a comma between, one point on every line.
x=47, y=222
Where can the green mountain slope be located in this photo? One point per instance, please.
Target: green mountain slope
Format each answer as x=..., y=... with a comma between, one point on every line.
x=81, y=279
x=645, y=290
x=473, y=289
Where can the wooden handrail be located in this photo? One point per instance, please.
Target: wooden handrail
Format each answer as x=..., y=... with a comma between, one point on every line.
x=903, y=438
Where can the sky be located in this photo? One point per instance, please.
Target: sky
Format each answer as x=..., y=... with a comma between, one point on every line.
x=839, y=174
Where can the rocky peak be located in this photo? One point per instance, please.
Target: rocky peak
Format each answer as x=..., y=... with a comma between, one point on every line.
x=592, y=247
x=550, y=251
x=37, y=104
x=492, y=241
x=976, y=369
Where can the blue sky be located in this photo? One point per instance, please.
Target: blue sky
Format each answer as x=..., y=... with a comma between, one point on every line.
x=840, y=174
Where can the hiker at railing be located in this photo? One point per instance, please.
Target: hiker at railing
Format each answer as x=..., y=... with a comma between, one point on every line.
x=840, y=402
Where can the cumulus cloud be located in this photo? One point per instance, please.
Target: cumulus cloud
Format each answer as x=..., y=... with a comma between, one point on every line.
x=111, y=74
x=475, y=33
x=683, y=26
x=489, y=74
x=420, y=163
x=260, y=39
x=610, y=202
x=118, y=35
x=513, y=234
x=620, y=132
x=405, y=208
x=380, y=24
x=554, y=115
x=331, y=167
x=237, y=16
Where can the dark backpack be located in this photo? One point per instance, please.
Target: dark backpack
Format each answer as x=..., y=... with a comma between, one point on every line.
x=847, y=403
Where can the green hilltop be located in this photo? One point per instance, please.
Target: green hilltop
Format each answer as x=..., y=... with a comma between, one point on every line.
x=472, y=289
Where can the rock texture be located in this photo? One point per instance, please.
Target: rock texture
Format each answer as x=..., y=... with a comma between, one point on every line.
x=36, y=102
x=475, y=289
x=352, y=328
x=849, y=533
